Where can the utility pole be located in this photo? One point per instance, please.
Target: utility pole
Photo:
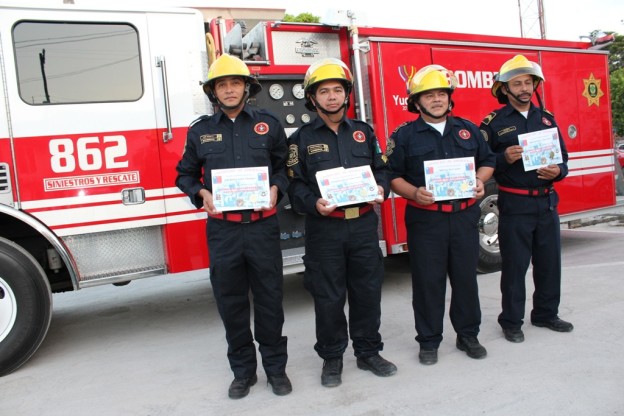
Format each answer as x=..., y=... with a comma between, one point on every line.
x=532, y=23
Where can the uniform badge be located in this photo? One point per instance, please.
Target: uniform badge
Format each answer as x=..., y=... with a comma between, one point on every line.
x=489, y=118
x=293, y=155
x=546, y=121
x=359, y=136
x=317, y=148
x=208, y=138
x=389, y=146
x=505, y=131
x=261, y=128
x=464, y=134
x=485, y=135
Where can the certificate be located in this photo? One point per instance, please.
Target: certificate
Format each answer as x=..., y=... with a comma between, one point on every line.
x=241, y=188
x=450, y=178
x=540, y=148
x=342, y=186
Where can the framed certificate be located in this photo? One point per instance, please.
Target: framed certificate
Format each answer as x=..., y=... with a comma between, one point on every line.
x=240, y=188
x=342, y=186
x=540, y=148
x=450, y=178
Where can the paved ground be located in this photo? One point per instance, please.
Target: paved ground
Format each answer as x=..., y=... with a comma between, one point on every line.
x=156, y=347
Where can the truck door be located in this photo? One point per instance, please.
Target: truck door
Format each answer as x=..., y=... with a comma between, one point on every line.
x=87, y=115
x=83, y=120
x=576, y=91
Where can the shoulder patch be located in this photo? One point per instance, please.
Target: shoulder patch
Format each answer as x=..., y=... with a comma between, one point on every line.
x=485, y=135
x=488, y=119
x=197, y=120
x=390, y=146
x=358, y=121
x=399, y=126
x=267, y=113
x=293, y=155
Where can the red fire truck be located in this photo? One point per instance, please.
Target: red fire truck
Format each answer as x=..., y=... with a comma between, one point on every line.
x=95, y=105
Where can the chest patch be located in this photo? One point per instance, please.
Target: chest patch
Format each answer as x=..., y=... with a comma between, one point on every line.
x=546, y=121
x=317, y=148
x=359, y=136
x=505, y=131
x=209, y=138
x=261, y=128
x=464, y=134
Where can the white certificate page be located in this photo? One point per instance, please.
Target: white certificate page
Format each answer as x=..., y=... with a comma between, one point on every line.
x=540, y=148
x=240, y=188
x=350, y=186
x=450, y=178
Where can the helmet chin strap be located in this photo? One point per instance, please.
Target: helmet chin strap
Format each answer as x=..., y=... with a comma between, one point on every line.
x=517, y=98
x=234, y=107
x=331, y=113
x=428, y=113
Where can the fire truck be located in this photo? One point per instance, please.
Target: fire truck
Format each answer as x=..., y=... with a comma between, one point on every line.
x=95, y=105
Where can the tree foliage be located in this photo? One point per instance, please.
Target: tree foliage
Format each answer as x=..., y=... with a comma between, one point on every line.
x=301, y=18
x=616, y=78
x=617, y=100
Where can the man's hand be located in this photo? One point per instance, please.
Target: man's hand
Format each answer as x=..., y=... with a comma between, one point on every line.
x=549, y=172
x=324, y=208
x=513, y=153
x=423, y=196
x=208, y=204
x=479, y=189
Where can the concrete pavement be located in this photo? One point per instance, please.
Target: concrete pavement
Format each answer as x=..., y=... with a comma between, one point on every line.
x=157, y=347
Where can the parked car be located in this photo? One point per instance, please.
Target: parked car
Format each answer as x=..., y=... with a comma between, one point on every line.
x=619, y=150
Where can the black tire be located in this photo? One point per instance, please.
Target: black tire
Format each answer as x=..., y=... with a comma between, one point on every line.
x=25, y=306
x=489, y=252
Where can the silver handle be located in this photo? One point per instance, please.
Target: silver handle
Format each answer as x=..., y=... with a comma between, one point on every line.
x=160, y=63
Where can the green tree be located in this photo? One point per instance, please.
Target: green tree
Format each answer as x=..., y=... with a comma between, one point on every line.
x=616, y=82
x=617, y=99
x=302, y=18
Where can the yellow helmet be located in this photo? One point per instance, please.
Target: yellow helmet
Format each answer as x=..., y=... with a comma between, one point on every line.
x=229, y=66
x=324, y=70
x=430, y=77
x=514, y=67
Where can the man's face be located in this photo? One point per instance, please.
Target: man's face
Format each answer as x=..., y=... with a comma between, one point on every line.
x=521, y=89
x=330, y=95
x=230, y=90
x=435, y=102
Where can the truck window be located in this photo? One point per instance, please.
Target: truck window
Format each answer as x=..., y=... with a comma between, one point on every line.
x=66, y=63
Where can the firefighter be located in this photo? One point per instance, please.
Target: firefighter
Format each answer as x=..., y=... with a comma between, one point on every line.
x=243, y=246
x=343, y=260
x=527, y=202
x=442, y=237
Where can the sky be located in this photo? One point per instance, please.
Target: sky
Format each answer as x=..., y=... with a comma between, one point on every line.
x=564, y=19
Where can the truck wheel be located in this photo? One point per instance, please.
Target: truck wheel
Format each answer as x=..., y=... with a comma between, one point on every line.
x=489, y=252
x=25, y=306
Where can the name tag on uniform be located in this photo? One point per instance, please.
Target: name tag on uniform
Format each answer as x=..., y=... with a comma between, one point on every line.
x=207, y=138
x=317, y=148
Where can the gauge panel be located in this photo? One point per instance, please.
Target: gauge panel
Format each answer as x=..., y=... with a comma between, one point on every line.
x=298, y=91
x=276, y=91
